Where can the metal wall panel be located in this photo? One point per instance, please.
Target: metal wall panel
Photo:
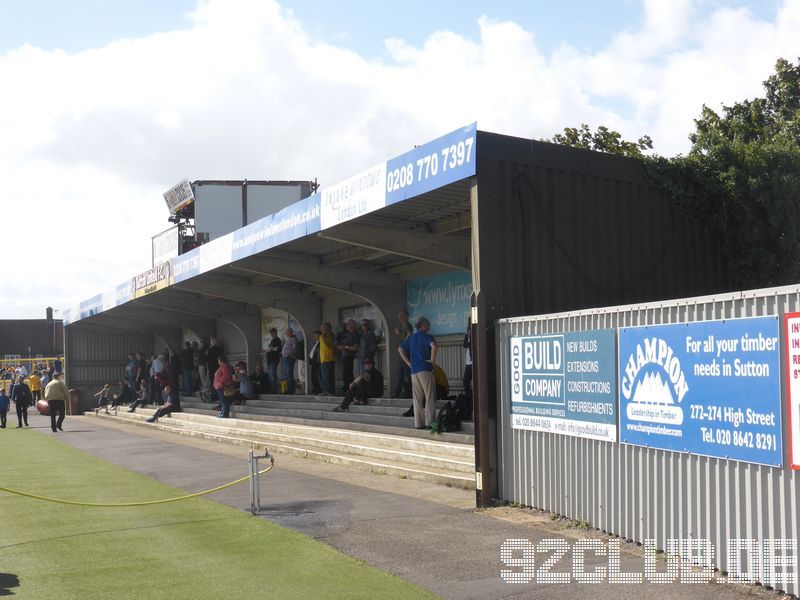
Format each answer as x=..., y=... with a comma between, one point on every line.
x=263, y=200
x=642, y=493
x=218, y=209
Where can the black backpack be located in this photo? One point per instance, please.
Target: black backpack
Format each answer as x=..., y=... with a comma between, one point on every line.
x=463, y=408
x=446, y=421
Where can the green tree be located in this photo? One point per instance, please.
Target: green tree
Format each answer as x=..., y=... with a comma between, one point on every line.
x=742, y=178
x=603, y=140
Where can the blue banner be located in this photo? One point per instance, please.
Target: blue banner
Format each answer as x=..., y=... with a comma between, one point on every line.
x=432, y=165
x=444, y=299
x=710, y=388
x=291, y=223
x=565, y=383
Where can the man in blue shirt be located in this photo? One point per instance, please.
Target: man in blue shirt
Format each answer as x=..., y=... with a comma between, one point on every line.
x=419, y=353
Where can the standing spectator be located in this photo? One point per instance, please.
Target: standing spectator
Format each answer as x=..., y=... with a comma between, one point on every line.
x=195, y=371
x=274, y=349
x=467, y=379
x=215, y=350
x=348, y=347
x=202, y=366
x=142, y=371
x=131, y=369
x=57, y=396
x=58, y=367
x=44, y=378
x=367, y=344
x=314, y=365
x=4, y=403
x=289, y=355
x=402, y=385
x=327, y=359
x=21, y=395
x=35, y=383
x=419, y=353
x=187, y=364
x=260, y=380
x=223, y=378
x=175, y=367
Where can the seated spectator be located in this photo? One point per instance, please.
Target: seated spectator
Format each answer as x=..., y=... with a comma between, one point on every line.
x=367, y=385
x=141, y=398
x=246, y=391
x=260, y=380
x=125, y=395
x=102, y=401
x=171, y=404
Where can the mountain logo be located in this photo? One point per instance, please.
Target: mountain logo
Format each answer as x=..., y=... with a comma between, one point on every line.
x=654, y=383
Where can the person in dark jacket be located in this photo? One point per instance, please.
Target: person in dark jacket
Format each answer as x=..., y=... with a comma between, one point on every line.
x=125, y=395
x=367, y=385
x=187, y=366
x=22, y=397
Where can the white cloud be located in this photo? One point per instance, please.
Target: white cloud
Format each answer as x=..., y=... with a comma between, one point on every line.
x=91, y=139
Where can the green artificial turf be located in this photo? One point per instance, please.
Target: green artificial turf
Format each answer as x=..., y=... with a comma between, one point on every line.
x=190, y=549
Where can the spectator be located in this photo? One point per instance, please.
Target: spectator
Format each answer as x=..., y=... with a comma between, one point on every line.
x=44, y=378
x=442, y=383
x=327, y=359
x=348, y=346
x=21, y=395
x=187, y=366
x=142, y=371
x=402, y=385
x=125, y=395
x=172, y=403
x=58, y=366
x=23, y=370
x=467, y=379
x=367, y=385
x=131, y=369
x=366, y=343
x=141, y=399
x=289, y=355
x=246, y=387
x=57, y=396
x=260, y=380
x=215, y=349
x=314, y=365
x=102, y=400
x=274, y=349
x=4, y=404
x=35, y=383
x=419, y=353
x=223, y=378
x=175, y=368
x=202, y=366
x=195, y=371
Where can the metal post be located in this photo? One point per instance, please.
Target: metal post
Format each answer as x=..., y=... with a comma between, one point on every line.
x=252, y=473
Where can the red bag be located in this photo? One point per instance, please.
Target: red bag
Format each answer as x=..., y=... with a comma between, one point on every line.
x=43, y=407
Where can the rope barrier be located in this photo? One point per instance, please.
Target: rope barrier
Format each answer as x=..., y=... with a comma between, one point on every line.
x=127, y=504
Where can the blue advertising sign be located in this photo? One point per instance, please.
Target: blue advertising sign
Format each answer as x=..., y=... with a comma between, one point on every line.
x=432, y=165
x=444, y=299
x=293, y=222
x=710, y=388
x=565, y=383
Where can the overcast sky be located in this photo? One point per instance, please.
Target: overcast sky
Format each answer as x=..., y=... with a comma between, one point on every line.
x=105, y=104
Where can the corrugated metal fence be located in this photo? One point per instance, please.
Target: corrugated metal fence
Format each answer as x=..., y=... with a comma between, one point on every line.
x=641, y=493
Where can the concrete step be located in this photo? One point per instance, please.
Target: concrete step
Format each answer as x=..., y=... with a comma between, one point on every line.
x=309, y=416
x=267, y=399
x=436, y=461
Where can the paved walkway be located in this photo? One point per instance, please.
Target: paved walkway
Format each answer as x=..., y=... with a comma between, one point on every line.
x=422, y=532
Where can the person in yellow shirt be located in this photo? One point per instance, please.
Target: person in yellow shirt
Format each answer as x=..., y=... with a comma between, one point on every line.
x=327, y=358
x=35, y=383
